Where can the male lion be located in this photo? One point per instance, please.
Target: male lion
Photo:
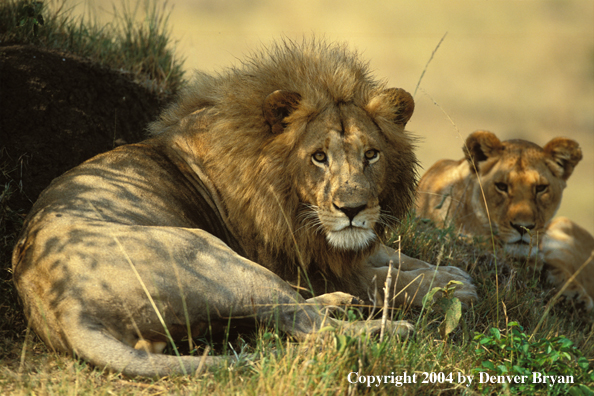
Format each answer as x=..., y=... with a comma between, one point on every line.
x=511, y=190
x=273, y=177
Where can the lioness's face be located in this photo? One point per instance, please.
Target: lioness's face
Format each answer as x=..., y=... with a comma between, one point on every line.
x=344, y=169
x=523, y=196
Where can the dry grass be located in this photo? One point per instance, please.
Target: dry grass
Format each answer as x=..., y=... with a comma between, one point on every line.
x=271, y=363
x=136, y=41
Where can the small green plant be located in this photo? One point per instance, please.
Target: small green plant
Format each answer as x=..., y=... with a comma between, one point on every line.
x=31, y=17
x=448, y=304
x=545, y=363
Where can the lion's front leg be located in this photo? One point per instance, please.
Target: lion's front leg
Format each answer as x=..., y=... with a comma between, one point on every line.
x=385, y=254
x=411, y=286
x=414, y=278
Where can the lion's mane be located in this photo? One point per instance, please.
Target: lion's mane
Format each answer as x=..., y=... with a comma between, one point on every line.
x=255, y=171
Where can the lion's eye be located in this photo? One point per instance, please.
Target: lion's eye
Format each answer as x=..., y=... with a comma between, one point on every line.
x=371, y=155
x=319, y=156
x=501, y=187
x=541, y=188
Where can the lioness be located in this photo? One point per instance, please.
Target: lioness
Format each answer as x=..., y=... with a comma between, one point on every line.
x=273, y=177
x=512, y=190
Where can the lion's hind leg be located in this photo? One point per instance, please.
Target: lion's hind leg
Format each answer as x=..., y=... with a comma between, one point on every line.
x=160, y=284
x=91, y=342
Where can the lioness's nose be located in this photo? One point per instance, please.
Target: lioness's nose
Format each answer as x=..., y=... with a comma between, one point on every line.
x=350, y=212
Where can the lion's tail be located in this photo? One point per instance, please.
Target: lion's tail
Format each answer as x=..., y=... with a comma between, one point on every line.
x=101, y=349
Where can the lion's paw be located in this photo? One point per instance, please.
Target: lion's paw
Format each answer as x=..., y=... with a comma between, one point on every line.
x=456, y=274
x=466, y=292
x=396, y=328
x=334, y=299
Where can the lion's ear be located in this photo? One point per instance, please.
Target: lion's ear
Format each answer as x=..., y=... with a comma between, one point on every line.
x=278, y=106
x=562, y=156
x=394, y=104
x=480, y=146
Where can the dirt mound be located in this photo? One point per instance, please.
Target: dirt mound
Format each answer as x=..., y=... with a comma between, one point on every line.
x=56, y=111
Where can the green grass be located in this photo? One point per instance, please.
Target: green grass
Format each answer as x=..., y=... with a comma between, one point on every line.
x=137, y=41
x=272, y=363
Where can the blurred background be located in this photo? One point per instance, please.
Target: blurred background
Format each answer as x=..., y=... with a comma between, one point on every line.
x=521, y=69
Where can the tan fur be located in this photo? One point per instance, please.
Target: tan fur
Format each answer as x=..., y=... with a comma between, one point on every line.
x=523, y=185
x=271, y=177
x=568, y=249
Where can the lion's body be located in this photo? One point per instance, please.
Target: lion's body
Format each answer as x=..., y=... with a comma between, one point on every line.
x=278, y=174
x=568, y=250
x=522, y=185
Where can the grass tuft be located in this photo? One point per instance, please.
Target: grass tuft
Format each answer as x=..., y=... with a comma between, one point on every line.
x=137, y=41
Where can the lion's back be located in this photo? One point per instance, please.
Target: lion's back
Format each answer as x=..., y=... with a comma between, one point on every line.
x=436, y=188
x=133, y=185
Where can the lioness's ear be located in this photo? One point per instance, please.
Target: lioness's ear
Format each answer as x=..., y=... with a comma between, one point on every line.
x=479, y=146
x=395, y=104
x=563, y=155
x=278, y=106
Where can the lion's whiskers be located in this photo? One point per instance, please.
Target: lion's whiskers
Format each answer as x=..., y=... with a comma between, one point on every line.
x=388, y=220
x=309, y=219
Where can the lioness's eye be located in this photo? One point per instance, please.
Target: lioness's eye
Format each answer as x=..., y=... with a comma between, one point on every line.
x=371, y=154
x=319, y=156
x=501, y=187
x=541, y=188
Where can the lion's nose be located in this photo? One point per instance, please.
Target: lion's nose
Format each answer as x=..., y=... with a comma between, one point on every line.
x=521, y=228
x=350, y=212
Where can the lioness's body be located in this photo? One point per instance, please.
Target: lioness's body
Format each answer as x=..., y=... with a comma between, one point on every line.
x=512, y=190
x=567, y=250
x=258, y=183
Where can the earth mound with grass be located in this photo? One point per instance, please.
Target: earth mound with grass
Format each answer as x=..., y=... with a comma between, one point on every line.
x=56, y=111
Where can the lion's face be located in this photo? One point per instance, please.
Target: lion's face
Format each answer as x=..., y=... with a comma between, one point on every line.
x=523, y=184
x=343, y=172
x=312, y=175
x=344, y=161
x=523, y=196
